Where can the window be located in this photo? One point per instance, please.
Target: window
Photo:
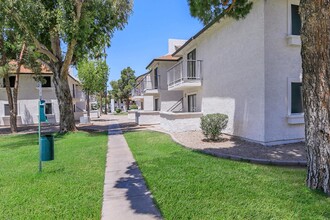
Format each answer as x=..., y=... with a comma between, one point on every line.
x=11, y=81
x=47, y=82
x=156, y=78
x=48, y=109
x=295, y=20
x=296, y=98
x=191, y=65
x=73, y=92
x=156, y=105
x=192, y=103
x=7, y=111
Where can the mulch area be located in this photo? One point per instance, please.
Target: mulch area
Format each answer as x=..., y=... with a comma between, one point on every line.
x=241, y=148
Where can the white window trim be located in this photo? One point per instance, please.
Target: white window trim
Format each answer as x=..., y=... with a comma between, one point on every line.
x=293, y=40
x=188, y=94
x=50, y=102
x=293, y=118
x=18, y=109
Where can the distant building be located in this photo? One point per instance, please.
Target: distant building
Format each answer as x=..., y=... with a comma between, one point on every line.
x=28, y=98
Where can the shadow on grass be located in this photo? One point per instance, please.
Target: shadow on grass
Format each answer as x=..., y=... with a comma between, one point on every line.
x=93, y=128
x=18, y=141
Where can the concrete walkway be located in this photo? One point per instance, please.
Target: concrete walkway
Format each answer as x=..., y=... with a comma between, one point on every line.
x=125, y=193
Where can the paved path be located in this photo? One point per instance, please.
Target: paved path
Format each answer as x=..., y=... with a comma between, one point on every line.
x=125, y=193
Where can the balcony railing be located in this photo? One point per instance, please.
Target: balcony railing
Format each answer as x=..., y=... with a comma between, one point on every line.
x=137, y=91
x=78, y=95
x=144, y=86
x=147, y=84
x=184, y=72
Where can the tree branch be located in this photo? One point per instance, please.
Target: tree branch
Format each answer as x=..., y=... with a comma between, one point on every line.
x=55, y=44
x=41, y=48
x=72, y=44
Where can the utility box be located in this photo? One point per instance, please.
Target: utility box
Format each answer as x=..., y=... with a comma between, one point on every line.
x=47, y=147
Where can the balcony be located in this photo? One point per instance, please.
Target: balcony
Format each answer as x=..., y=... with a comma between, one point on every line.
x=137, y=93
x=150, y=87
x=185, y=75
x=78, y=96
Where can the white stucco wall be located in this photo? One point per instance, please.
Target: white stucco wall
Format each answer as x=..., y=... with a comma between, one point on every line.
x=148, y=102
x=170, y=100
x=179, y=122
x=147, y=117
x=28, y=98
x=167, y=98
x=232, y=54
x=282, y=61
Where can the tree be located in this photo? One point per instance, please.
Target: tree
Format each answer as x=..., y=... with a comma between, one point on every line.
x=115, y=93
x=208, y=10
x=64, y=32
x=315, y=53
x=93, y=76
x=122, y=89
x=14, y=53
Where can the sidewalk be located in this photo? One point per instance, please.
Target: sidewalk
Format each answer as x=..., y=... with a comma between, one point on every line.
x=125, y=193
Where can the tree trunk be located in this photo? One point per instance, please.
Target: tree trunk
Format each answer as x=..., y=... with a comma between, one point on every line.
x=316, y=90
x=13, y=123
x=62, y=89
x=127, y=104
x=14, y=111
x=88, y=106
x=106, y=103
x=101, y=103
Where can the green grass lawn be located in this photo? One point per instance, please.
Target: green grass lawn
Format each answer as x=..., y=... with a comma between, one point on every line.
x=70, y=187
x=190, y=185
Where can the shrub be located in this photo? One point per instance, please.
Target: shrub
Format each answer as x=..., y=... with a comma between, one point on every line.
x=213, y=124
x=118, y=110
x=133, y=106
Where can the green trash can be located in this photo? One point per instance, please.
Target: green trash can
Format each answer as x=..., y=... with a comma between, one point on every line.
x=47, y=147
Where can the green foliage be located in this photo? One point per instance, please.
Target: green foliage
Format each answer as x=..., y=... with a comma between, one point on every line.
x=91, y=29
x=208, y=10
x=213, y=124
x=70, y=187
x=134, y=106
x=122, y=89
x=93, y=75
x=118, y=110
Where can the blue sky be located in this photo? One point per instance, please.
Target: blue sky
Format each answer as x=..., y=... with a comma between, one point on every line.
x=145, y=36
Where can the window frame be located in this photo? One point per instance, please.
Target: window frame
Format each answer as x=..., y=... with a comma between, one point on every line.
x=194, y=103
x=156, y=79
x=156, y=104
x=11, y=82
x=293, y=40
x=191, y=64
x=51, y=108
x=291, y=20
x=4, y=110
x=293, y=118
x=46, y=85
